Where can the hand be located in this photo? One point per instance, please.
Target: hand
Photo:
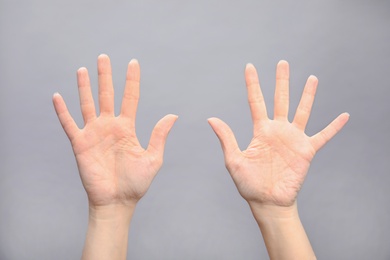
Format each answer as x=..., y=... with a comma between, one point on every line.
x=113, y=166
x=272, y=169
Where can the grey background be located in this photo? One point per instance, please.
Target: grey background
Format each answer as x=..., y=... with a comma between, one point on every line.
x=192, y=56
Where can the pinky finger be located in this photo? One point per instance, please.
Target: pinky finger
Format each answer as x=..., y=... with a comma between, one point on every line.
x=320, y=139
x=66, y=120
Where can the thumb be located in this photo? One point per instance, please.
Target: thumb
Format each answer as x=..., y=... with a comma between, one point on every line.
x=160, y=134
x=225, y=136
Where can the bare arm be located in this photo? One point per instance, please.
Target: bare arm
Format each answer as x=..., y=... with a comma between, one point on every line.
x=114, y=169
x=270, y=172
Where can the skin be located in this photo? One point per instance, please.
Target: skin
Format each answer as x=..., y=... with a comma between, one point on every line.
x=115, y=170
x=270, y=172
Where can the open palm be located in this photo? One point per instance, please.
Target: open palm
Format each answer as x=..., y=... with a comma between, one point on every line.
x=113, y=166
x=273, y=167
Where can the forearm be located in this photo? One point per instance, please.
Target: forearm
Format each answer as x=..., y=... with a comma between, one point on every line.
x=283, y=232
x=107, y=234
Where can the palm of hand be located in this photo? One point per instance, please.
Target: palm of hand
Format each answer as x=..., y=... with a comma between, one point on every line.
x=113, y=166
x=273, y=167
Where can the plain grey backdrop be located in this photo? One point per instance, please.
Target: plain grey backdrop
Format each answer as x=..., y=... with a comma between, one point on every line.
x=192, y=56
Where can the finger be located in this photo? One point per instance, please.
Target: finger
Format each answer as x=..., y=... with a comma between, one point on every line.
x=106, y=88
x=304, y=108
x=321, y=138
x=131, y=93
x=282, y=91
x=66, y=120
x=86, y=100
x=160, y=134
x=255, y=96
x=225, y=136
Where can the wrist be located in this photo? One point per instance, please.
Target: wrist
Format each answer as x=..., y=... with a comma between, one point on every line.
x=107, y=234
x=271, y=211
x=283, y=232
x=111, y=213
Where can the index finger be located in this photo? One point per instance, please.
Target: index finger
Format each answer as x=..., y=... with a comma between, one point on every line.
x=255, y=96
x=131, y=93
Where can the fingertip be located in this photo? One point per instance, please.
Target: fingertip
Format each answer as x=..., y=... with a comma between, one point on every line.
x=81, y=72
x=213, y=120
x=346, y=116
x=250, y=70
x=104, y=65
x=160, y=132
x=56, y=97
x=133, y=65
x=224, y=134
x=133, y=70
x=313, y=78
x=283, y=62
x=249, y=65
x=133, y=61
x=251, y=76
x=282, y=70
x=218, y=125
x=173, y=117
x=168, y=121
x=210, y=121
x=103, y=56
x=81, y=69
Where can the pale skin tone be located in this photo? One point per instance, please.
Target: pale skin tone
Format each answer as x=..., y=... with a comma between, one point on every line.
x=116, y=171
x=270, y=172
